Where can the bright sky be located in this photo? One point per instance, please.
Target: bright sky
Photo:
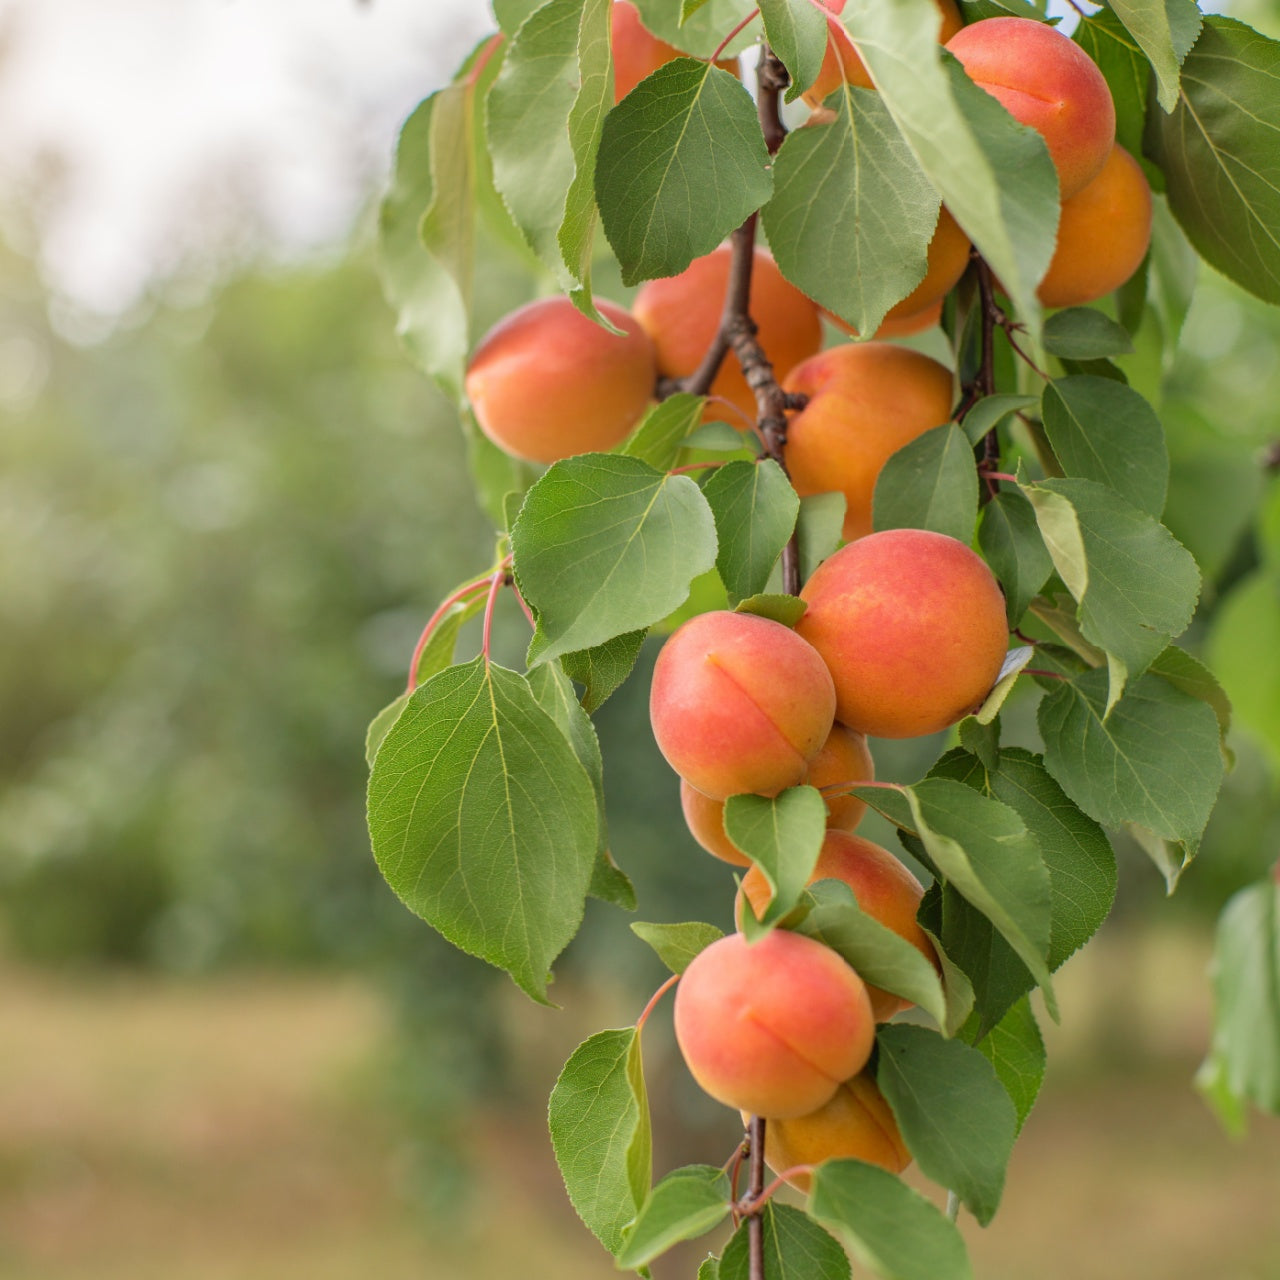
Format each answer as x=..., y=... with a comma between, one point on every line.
x=145, y=130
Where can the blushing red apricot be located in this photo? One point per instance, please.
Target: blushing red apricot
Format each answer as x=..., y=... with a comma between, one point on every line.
x=866, y=401
x=1048, y=82
x=911, y=625
x=856, y=1124
x=546, y=383
x=884, y=888
x=638, y=53
x=682, y=313
x=842, y=62
x=772, y=1028
x=1103, y=234
x=844, y=757
x=739, y=703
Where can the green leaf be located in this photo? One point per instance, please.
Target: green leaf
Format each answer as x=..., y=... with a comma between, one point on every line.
x=1015, y=1048
x=380, y=726
x=511, y=13
x=606, y=545
x=881, y=957
x=930, y=483
x=1085, y=333
x=852, y=214
x=994, y=175
x=1162, y=34
x=797, y=33
x=599, y=1121
x=442, y=643
x=663, y=430
x=577, y=232
x=687, y=1203
x=1244, y=1059
x=484, y=821
x=709, y=1268
x=546, y=111
x=677, y=944
x=682, y=162
x=1105, y=431
x=819, y=529
x=785, y=609
x=1217, y=148
x=755, y=510
x=1190, y=675
x=1127, y=72
x=720, y=437
x=1014, y=661
x=955, y=1116
x=1135, y=584
x=890, y=1229
x=431, y=312
x=983, y=849
x=1153, y=761
x=990, y=412
x=795, y=1248
x=552, y=689
x=698, y=28
x=1245, y=629
x=1011, y=542
x=783, y=837
x=602, y=668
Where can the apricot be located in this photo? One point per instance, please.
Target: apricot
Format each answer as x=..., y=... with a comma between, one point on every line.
x=1046, y=81
x=856, y=1124
x=884, y=888
x=682, y=313
x=844, y=757
x=546, y=383
x=865, y=402
x=772, y=1028
x=739, y=703
x=638, y=53
x=1103, y=234
x=911, y=625
x=842, y=62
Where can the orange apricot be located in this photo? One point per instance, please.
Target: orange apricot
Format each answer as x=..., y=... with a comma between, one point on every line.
x=682, y=313
x=884, y=888
x=866, y=401
x=739, y=703
x=856, y=1124
x=774, y=1027
x=844, y=757
x=1103, y=234
x=842, y=62
x=546, y=383
x=911, y=625
x=1046, y=81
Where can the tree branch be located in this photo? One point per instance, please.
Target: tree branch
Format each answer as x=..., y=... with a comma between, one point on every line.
x=755, y=1189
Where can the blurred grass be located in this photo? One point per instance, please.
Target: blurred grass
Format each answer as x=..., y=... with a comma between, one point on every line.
x=228, y=1129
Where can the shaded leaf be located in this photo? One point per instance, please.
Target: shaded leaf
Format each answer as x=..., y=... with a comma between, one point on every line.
x=795, y=1248
x=1015, y=1048
x=1085, y=333
x=685, y=1204
x=1011, y=542
x=663, y=431
x=755, y=510
x=601, y=669
x=677, y=944
x=930, y=483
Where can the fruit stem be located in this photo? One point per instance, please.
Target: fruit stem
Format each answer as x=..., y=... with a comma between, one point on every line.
x=755, y=1189
x=495, y=585
x=469, y=589
x=653, y=1000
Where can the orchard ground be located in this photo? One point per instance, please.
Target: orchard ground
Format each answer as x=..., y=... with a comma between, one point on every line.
x=229, y=1130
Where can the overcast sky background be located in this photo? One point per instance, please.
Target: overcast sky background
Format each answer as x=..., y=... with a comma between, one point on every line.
x=141, y=136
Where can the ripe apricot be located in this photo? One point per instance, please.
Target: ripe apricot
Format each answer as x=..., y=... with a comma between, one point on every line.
x=1103, y=234
x=772, y=1028
x=546, y=383
x=856, y=1124
x=911, y=625
x=739, y=703
x=884, y=888
x=866, y=401
x=638, y=53
x=1048, y=82
x=842, y=62
x=682, y=313
x=844, y=757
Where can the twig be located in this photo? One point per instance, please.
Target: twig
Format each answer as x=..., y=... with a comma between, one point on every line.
x=755, y=1189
